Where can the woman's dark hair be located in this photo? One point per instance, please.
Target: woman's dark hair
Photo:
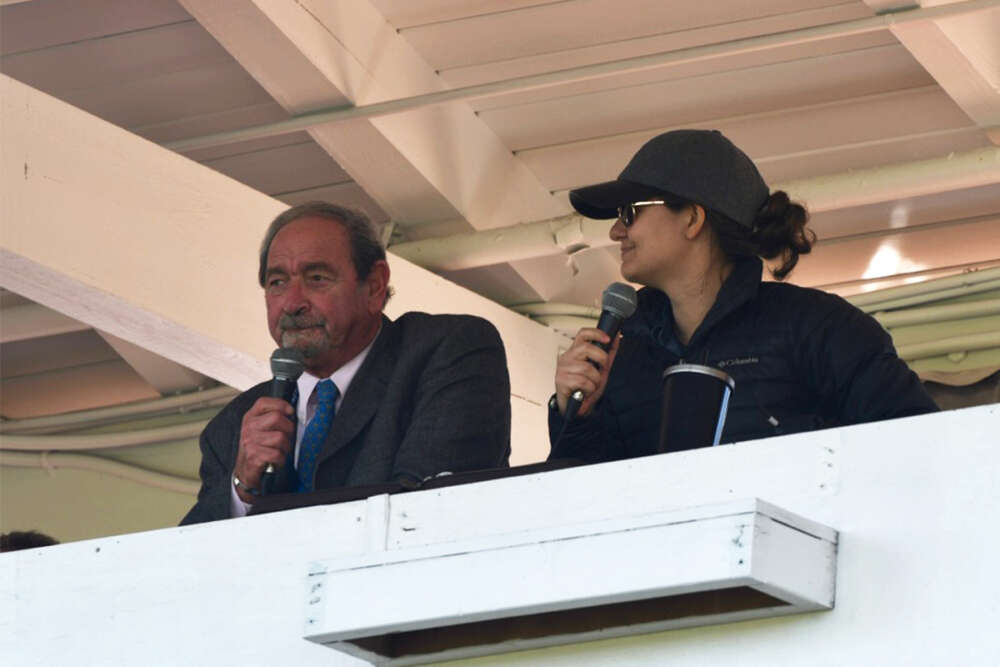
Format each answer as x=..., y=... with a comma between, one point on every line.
x=25, y=539
x=779, y=230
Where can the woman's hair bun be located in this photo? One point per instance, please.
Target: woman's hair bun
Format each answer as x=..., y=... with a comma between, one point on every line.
x=779, y=230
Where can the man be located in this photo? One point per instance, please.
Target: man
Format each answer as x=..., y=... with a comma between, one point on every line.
x=379, y=400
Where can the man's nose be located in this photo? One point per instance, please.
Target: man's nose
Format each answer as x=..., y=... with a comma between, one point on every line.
x=294, y=301
x=617, y=232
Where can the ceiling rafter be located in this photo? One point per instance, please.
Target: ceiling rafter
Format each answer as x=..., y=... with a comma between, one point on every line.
x=571, y=233
x=431, y=165
x=960, y=53
x=167, y=377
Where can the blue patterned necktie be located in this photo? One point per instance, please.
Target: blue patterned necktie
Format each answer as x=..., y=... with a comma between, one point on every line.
x=315, y=433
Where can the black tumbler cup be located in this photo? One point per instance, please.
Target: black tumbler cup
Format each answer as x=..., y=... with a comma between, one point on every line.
x=695, y=400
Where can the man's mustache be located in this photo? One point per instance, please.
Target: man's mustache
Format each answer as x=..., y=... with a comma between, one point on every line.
x=287, y=322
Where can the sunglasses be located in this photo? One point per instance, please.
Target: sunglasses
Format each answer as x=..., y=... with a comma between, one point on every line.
x=627, y=213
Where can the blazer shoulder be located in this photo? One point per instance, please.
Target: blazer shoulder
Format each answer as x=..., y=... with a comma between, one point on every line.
x=421, y=324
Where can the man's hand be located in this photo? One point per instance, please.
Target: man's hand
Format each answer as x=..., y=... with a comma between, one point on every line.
x=584, y=366
x=266, y=436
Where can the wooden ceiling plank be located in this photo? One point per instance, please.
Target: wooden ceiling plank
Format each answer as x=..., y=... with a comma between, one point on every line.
x=299, y=84
x=768, y=136
x=306, y=166
x=564, y=58
x=734, y=92
x=116, y=60
x=582, y=23
x=918, y=250
x=267, y=111
x=107, y=383
x=404, y=14
x=963, y=204
x=80, y=20
x=215, y=89
x=866, y=154
x=345, y=194
x=962, y=53
x=876, y=44
x=432, y=164
x=32, y=320
x=38, y=356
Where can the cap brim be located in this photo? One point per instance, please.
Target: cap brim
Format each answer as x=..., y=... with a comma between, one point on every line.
x=603, y=200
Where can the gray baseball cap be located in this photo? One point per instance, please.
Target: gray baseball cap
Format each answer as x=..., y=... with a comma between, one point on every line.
x=702, y=166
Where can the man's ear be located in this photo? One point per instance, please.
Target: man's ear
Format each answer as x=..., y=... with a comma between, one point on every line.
x=696, y=222
x=376, y=286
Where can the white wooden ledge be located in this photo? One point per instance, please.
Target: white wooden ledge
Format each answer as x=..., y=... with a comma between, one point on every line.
x=914, y=502
x=695, y=566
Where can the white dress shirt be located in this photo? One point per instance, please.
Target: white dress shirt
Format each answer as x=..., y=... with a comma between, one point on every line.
x=304, y=410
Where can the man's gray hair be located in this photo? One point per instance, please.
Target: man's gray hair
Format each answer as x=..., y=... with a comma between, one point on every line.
x=366, y=249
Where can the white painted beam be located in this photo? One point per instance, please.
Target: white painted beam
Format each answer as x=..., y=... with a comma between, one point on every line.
x=431, y=164
x=703, y=550
x=897, y=181
x=569, y=234
x=127, y=237
x=139, y=242
x=962, y=53
x=337, y=112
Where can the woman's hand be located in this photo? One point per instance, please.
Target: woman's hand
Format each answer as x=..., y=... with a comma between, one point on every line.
x=585, y=367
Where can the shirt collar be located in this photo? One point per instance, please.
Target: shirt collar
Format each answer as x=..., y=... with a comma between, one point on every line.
x=342, y=377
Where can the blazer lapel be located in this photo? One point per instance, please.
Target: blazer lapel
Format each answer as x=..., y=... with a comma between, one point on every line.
x=364, y=394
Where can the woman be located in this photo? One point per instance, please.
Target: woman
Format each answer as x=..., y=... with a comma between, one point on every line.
x=694, y=217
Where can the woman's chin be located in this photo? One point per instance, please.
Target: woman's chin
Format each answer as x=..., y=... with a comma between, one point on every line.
x=629, y=273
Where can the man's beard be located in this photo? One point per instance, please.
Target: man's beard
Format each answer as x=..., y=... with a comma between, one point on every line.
x=306, y=334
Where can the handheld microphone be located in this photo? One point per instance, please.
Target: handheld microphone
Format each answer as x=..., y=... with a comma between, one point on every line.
x=618, y=303
x=287, y=365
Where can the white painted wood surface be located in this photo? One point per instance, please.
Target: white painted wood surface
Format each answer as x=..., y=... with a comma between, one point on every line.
x=914, y=502
x=745, y=543
x=432, y=164
x=183, y=282
x=960, y=53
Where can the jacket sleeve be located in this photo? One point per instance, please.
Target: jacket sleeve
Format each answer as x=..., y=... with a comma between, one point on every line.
x=618, y=427
x=581, y=439
x=461, y=412
x=855, y=370
x=218, y=447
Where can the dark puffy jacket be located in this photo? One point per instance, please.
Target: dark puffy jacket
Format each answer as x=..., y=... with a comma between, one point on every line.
x=802, y=359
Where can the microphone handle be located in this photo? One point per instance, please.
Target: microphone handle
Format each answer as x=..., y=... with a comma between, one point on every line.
x=282, y=388
x=609, y=324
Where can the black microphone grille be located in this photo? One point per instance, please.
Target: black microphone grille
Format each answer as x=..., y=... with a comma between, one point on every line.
x=287, y=363
x=620, y=299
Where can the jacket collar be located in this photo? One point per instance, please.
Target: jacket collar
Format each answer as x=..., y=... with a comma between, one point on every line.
x=654, y=316
x=365, y=393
